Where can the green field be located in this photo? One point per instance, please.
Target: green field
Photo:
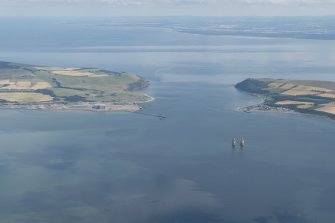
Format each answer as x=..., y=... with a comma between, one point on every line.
x=21, y=83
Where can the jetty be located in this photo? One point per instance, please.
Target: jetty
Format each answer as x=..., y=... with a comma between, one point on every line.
x=160, y=116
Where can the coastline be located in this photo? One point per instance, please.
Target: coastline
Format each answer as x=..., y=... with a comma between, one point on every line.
x=255, y=108
x=33, y=87
x=151, y=99
x=264, y=108
x=291, y=96
x=80, y=106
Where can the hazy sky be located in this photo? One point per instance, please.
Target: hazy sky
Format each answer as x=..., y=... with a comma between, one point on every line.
x=166, y=7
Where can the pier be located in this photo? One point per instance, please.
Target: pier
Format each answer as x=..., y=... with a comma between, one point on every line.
x=160, y=116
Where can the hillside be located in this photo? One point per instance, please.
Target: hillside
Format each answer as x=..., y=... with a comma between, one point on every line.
x=28, y=84
x=313, y=97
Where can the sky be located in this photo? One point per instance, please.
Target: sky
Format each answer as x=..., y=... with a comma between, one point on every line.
x=167, y=7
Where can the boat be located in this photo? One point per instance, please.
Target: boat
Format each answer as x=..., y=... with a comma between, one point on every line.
x=233, y=142
x=242, y=142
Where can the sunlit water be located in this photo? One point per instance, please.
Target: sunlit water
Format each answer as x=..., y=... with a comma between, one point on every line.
x=123, y=167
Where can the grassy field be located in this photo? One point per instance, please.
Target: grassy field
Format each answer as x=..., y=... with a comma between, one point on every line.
x=24, y=97
x=327, y=108
x=315, y=97
x=35, y=84
x=293, y=103
x=23, y=84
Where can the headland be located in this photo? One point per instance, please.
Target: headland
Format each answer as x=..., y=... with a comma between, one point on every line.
x=33, y=87
x=303, y=96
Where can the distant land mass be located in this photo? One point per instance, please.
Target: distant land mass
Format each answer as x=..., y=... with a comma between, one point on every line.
x=304, y=96
x=55, y=88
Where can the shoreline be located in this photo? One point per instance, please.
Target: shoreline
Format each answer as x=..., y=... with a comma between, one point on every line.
x=151, y=99
x=80, y=106
x=265, y=108
x=87, y=89
x=291, y=96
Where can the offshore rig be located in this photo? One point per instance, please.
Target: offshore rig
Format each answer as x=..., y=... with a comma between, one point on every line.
x=234, y=142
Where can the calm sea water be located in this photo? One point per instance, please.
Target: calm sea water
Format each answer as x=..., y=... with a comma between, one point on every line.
x=124, y=167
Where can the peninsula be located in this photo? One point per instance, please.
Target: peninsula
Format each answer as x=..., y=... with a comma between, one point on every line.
x=309, y=97
x=55, y=88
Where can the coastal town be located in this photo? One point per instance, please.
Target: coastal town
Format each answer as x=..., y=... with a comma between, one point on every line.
x=80, y=106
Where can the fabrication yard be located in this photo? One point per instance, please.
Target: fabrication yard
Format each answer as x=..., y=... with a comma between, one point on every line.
x=312, y=97
x=38, y=87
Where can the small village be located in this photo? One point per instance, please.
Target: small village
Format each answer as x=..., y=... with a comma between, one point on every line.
x=80, y=106
x=263, y=108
